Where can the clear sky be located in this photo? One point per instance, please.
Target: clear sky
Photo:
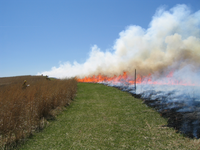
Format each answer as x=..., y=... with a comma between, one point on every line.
x=36, y=35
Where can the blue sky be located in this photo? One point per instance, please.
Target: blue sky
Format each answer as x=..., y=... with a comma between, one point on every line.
x=36, y=35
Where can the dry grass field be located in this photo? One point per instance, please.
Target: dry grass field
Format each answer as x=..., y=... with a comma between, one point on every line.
x=25, y=110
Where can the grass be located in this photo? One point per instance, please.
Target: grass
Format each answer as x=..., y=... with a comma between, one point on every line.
x=25, y=109
x=106, y=118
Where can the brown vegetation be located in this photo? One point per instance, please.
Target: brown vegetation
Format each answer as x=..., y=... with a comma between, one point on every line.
x=23, y=110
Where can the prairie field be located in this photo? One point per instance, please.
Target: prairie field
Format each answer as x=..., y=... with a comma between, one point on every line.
x=26, y=109
x=103, y=117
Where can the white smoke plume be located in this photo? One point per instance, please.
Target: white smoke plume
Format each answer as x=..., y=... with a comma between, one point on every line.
x=171, y=43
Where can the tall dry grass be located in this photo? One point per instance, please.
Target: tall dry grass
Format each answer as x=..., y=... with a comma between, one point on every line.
x=22, y=111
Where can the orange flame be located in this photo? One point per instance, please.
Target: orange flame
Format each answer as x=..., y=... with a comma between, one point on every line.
x=126, y=79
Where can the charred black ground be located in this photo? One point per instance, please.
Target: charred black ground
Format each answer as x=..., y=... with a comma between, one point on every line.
x=181, y=109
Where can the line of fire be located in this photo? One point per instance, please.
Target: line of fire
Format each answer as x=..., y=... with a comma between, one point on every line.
x=177, y=100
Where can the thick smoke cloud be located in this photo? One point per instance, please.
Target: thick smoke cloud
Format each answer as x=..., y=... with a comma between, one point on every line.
x=171, y=43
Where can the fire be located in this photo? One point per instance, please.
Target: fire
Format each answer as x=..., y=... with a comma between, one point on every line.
x=127, y=79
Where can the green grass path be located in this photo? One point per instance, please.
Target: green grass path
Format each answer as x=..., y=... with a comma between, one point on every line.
x=106, y=118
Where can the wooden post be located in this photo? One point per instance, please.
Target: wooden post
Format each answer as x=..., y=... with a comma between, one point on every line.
x=135, y=81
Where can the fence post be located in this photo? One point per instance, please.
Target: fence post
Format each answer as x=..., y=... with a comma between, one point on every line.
x=135, y=81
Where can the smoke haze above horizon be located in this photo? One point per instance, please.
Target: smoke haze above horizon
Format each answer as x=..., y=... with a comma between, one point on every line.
x=171, y=42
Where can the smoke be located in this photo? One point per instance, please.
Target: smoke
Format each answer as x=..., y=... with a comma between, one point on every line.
x=171, y=43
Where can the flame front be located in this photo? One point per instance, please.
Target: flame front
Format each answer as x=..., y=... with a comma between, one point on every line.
x=127, y=79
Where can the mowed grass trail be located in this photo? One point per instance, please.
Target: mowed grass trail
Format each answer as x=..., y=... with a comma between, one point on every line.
x=103, y=117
